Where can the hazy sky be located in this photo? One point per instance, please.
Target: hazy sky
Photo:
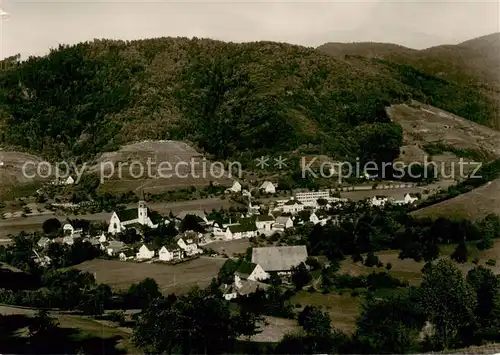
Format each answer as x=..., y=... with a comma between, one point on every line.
x=35, y=26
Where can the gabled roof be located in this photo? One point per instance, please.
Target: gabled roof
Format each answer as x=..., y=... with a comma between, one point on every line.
x=265, y=218
x=414, y=195
x=283, y=219
x=196, y=213
x=127, y=215
x=246, y=268
x=240, y=228
x=154, y=216
x=380, y=197
x=150, y=247
x=279, y=258
x=128, y=252
x=249, y=287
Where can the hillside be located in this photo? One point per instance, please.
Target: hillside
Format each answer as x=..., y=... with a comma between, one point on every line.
x=472, y=205
x=474, y=60
x=228, y=100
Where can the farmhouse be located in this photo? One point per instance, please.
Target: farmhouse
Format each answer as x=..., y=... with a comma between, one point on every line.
x=279, y=259
x=293, y=206
x=238, y=231
x=113, y=247
x=145, y=252
x=268, y=187
x=141, y=216
x=282, y=223
x=251, y=271
x=126, y=255
x=170, y=253
x=264, y=222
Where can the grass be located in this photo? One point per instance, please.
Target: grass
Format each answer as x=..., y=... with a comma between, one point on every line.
x=170, y=278
x=343, y=309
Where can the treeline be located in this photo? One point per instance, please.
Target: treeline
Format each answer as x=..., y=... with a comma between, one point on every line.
x=231, y=100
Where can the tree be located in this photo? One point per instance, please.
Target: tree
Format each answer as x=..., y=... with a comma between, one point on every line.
x=300, y=276
x=142, y=294
x=460, y=254
x=43, y=324
x=51, y=226
x=191, y=222
x=315, y=321
x=449, y=302
x=198, y=322
x=94, y=301
x=390, y=325
x=371, y=260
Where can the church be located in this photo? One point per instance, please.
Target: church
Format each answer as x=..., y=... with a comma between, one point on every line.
x=135, y=217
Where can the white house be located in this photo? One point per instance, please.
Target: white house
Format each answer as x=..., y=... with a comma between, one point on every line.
x=283, y=222
x=318, y=217
x=189, y=246
x=169, y=253
x=113, y=247
x=379, y=200
x=264, y=222
x=43, y=242
x=293, y=206
x=410, y=198
x=71, y=229
x=145, y=252
x=251, y=271
x=268, y=187
x=141, y=216
x=238, y=231
x=126, y=255
x=235, y=188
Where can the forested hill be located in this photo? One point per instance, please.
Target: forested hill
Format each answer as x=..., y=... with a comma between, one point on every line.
x=227, y=99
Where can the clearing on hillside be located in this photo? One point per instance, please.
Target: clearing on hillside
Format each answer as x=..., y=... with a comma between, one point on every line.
x=472, y=205
x=170, y=278
x=143, y=163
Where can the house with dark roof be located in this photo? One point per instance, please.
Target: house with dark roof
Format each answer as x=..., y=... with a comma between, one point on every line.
x=126, y=255
x=140, y=216
x=264, y=222
x=238, y=231
x=279, y=259
x=251, y=271
x=293, y=206
x=201, y=216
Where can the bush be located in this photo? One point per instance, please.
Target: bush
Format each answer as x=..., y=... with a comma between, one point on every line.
x=355, y=293
x=313, y=263
x=475, y=261
x=491, y=262
x=357, y=257
x=388, y=266
x=371, y=260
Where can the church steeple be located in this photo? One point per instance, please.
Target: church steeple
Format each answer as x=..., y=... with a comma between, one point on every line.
x=142, y=209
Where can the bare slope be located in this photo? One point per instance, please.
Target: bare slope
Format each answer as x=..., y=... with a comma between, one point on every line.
x=473, y=205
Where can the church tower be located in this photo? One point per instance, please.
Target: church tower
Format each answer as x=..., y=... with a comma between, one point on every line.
x=142, y=210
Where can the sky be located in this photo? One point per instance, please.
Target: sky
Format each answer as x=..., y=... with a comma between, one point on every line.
x=35, y=26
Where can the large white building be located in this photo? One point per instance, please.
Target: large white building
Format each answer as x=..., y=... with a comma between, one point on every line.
x=123, y=219
x=310, y=198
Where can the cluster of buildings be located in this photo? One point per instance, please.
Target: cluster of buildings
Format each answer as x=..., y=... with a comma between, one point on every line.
x=249, y=276
x=380, y=200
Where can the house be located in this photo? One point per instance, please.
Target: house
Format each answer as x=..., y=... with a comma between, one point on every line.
x=113, y=247
x=126, y=255
x=283, y=222
x=189, y=246
x=268, y=187
x=319, y=217
x=279, y=259
x=293, y=206
x=410, y=198
x=145, y=252
x=235, y=188
x=202, y=217
x=379, y=200
x=71, y=228
x=238, y=231
x=43, y=242
x=170, y=253
x=69, y=240
x=251, y=271
x=264, y=222
x=141, y=216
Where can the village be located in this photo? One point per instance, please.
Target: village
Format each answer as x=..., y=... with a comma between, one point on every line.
x=196, y=230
